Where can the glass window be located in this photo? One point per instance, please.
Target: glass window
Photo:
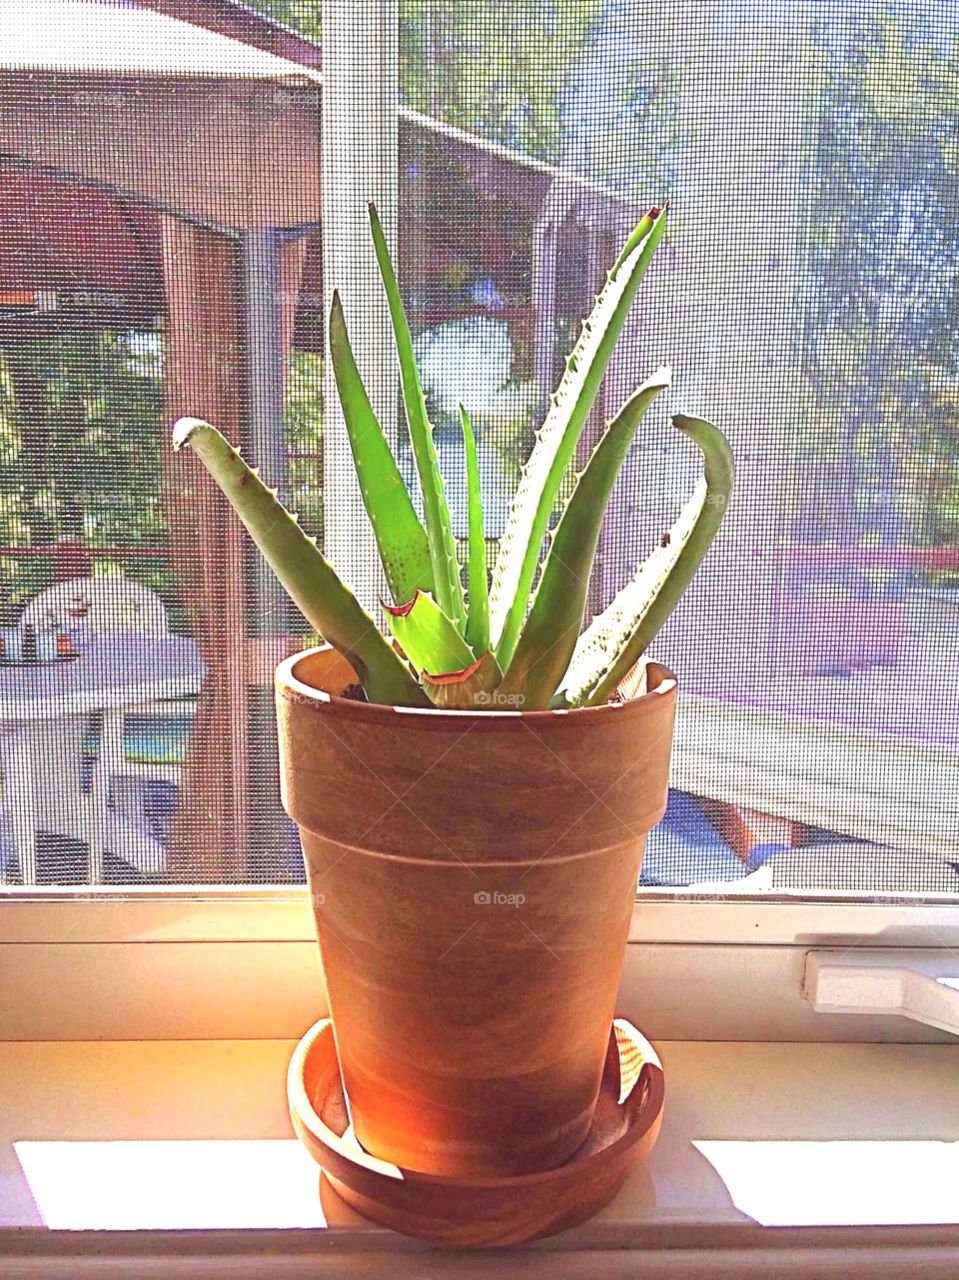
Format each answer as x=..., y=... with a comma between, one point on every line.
x=805, y=298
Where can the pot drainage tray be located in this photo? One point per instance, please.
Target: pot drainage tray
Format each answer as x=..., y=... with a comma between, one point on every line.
x=482, y=1210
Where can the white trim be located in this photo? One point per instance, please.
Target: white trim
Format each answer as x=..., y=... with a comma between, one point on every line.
x=242, y=963
x=681, y=1214
x=903, y=984
x=281, y=913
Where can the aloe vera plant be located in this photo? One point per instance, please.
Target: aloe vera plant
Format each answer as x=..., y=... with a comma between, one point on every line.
x=514, y=642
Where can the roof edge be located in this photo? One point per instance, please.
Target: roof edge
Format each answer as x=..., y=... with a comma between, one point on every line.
x=240, y=22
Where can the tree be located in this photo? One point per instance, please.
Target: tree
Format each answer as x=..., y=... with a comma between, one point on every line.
x=79, y=452
x=496, y=67
x=300, y=15
x=882, y=312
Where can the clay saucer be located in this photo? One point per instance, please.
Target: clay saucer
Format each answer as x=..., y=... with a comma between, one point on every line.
x=478, y=1211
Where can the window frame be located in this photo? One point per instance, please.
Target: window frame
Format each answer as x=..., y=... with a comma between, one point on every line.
x=698, y=965
x=241, y=962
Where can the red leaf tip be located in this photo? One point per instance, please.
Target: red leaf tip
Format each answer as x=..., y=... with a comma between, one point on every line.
x=456, y=677
x=401, y=610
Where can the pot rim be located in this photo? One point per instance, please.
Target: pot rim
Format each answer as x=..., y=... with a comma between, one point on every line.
x=289, y=685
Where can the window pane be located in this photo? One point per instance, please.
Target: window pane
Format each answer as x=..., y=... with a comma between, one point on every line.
x=805, y=298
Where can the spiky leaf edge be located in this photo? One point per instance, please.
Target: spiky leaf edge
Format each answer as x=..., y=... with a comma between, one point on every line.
x=557, y=438
x=311, y=581
x=549, y=634
x=616, y=639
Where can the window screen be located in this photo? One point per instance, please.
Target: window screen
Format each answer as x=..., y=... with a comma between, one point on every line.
x=161, y=252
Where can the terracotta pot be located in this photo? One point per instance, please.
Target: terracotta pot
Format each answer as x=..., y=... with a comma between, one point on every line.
x=472, y=876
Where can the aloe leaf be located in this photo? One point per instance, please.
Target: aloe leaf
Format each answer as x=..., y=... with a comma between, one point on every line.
x=427, y=636
x=312, y=582
x=446, y=574
x=473, y=688
x=617, y=637
x=556, y=441
x=639, y=232
x=477, y=586
x=551, y=629
x=402, y=542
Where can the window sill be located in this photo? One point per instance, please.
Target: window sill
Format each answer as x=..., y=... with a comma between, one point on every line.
x=109, y=1195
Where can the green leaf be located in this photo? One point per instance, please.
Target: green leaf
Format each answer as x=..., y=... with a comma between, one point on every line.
x=402, y=542
x=550, y=632
x=619, y=636
x=427, y=636
x=446, y=574
x=312, y=582
x=477, y=625
x=556, y=442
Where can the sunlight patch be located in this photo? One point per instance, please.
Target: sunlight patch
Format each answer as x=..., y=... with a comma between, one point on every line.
x=158, y=1185
x=792, y=1184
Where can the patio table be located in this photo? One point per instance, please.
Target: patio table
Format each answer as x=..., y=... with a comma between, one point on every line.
x=43, y=711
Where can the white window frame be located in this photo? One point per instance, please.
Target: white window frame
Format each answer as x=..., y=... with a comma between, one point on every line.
x=241, y=962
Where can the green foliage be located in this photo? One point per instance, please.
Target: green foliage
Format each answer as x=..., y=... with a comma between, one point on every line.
x=79, y=456
x=300, y=15
x=497, y=67
x=493, y=66
x=442, y=547
x=557, y=439
x=614, y=640
x=559, y=602
x=303, y=431
x=882, y=310
x=402, y=541
x=433, y=635
x=427, y=636
x=477, y=625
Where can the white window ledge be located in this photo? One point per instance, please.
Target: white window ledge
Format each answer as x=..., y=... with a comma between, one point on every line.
x=177, y=1158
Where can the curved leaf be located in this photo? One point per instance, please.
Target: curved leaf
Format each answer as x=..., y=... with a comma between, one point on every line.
x=550, y=632
x=473, y=688
x=427, y=636
x=311, y=581
x=617, y=637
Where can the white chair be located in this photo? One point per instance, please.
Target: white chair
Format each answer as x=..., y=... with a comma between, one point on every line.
x=89, y=607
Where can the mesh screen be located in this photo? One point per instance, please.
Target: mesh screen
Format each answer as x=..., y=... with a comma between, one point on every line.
x=161, y=252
